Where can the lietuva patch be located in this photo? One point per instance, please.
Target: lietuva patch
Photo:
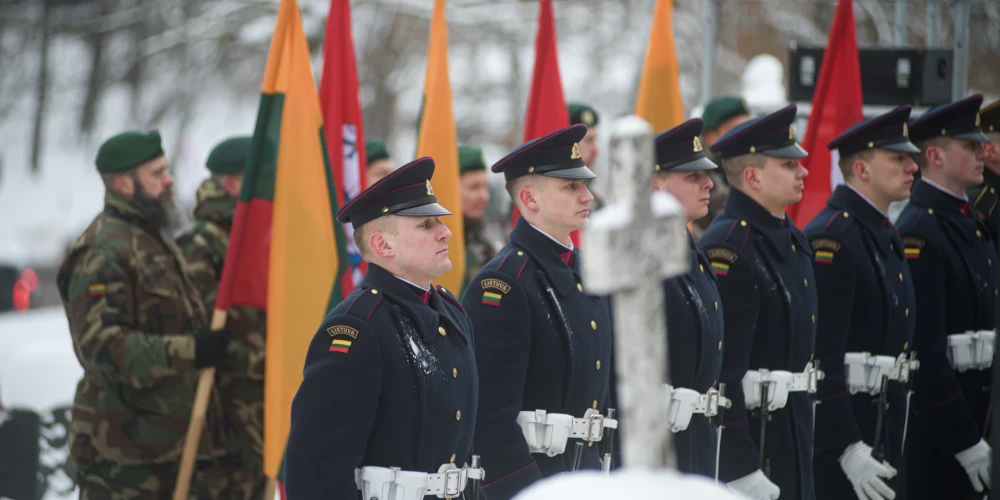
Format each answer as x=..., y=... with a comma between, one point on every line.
x=342, y=330
x=495, y=284
x=910, y=241
x=722, y=254
x=825, y=244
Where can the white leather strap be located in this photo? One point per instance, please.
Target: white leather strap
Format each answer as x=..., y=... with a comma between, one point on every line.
x=972, y=350
x=381, y=483
x=864, y=371
x=548, y=432
x=684, y=403
x=779, y=384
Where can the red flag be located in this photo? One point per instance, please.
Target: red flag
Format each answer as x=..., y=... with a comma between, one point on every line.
x=342, y=119
x=546, y=104
x=836, y=105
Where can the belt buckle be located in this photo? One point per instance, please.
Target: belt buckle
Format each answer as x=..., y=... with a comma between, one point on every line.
x=595, y=427
x=812, y=379
x=712, y=402
x=453, y=482
x=902, y=369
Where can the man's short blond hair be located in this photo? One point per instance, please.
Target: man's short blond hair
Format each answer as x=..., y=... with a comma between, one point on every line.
x=735, y=166
x=846, y=163
x=513, y=187
x=385, y=224
x=921, y=157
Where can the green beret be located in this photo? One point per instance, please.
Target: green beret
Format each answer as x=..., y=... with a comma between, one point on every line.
x=581, y=113
x=470, y=159
x=723, y=108
x=230, y=156
x=375, y=150
x=989, y=117
x=128, y=150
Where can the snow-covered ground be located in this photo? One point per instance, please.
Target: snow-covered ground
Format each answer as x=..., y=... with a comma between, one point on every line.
x=627, y=483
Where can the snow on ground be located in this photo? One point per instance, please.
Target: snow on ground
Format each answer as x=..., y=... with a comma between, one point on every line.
x=628, y=483
x=38, y=369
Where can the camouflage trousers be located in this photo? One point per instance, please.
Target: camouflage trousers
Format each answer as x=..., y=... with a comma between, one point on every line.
x=110, y=481
x=232, y=480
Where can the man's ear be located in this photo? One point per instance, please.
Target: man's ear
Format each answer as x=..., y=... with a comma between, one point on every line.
x=751, y=178
x=381, y=246
x=526, y=195
x=124, y=184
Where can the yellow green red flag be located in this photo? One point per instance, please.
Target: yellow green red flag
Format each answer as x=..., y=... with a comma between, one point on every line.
x=659, y=101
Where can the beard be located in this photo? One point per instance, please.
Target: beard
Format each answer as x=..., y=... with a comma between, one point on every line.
x=162, y=211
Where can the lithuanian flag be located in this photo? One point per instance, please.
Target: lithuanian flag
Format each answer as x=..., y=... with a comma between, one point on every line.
x=659, y=101
x=437, y=140
x=286, y=252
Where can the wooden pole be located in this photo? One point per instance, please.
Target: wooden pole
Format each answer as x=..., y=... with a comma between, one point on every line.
x=197, y=423
x=271, y=488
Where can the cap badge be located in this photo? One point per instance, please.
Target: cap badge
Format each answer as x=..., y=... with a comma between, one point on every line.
x=430, y=190
x=587, y=117
x=697, y=145
x=906, y=131
x=977, y=119
x=575, y=154
x=791, y=132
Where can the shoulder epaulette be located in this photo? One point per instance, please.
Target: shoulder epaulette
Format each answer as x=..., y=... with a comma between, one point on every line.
x=364, y=304
x=446, y=295
x=513, y=263
x=738, y=235
x=925, y=222
x=838, y=223
x=984, y=202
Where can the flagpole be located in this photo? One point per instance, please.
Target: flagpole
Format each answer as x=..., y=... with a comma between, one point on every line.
x=197, y=422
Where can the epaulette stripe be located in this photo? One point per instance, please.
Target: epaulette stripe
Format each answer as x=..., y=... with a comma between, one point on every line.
x=982, y=192
x=504, y=259
x=728, y=234
x=832, y=218
x=352, y=303
x=369, y=319
x=993, y=206
x=525, y=263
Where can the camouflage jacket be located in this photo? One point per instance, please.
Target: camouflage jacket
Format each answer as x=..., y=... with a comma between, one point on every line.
x=133, y=310
x=478, y=251
x=242, y=385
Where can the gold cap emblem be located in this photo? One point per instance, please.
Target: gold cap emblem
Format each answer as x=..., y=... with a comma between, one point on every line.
x=906, y=131
x=791, y=132
x=697, y=145
x=587, y=118
x=575, y=154
x=977, y=119
x=430, y=189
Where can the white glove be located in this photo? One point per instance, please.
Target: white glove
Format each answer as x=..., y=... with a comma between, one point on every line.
x=976, y=462
x=756, y=486
x=866, y=474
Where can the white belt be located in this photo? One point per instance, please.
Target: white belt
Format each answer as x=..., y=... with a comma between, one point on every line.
x=864, y=371
x=381, y=483
x=971, y=350
x=548, y=432
x=686, y=402
x=779, y=384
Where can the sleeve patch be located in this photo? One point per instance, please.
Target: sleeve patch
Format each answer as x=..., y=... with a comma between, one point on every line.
x=492, y=299
x=340, y=345
x=723, y=255
x=912, y=246
x=495, y=284
x=720, y=268
x=342, y=330
x=824, y=257
x=825, y=244
x=97, y=290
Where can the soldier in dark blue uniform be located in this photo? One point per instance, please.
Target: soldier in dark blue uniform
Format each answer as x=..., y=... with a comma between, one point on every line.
x=390, y=376
x=693, y=308
x=866, y=312
x=764, y=269
x=952, y=260
x=542, y=342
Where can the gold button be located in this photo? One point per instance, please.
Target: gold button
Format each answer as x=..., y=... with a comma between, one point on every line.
x=743, y=223
x=906, y=345
x=716, y=305
x=452, y=458
x=531, y=170
x=930, y=211
x=385, y=209
x=979, y=233
x=454, y=373
x=579, y=287
x=701, y=267
x=458, y=415
x=590, y=443
x=846, y=215
x=906, y=313
x=720, y=345
x=793, y=247
x=598, y=364
x=900, y=277
x=520, y=253
x=593, y=325
x=441, y=331
x=374, y=291
x=594, y=406
x=813, y=318
x=805, y=282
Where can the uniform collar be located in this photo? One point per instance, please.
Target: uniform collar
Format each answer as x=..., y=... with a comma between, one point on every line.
x=407, y=296
x=849, y=199
x=927, y=194
x=777, y=231
x=939, y=187
x=548, y=254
